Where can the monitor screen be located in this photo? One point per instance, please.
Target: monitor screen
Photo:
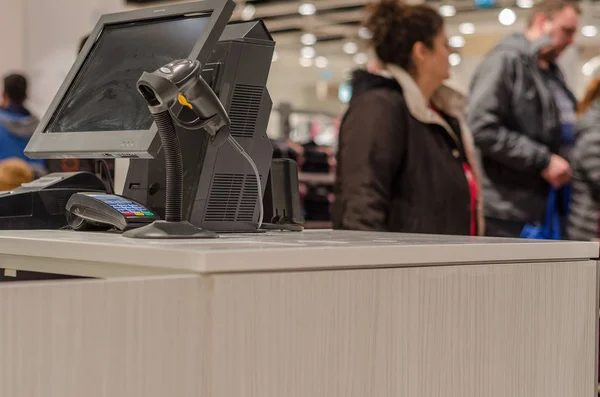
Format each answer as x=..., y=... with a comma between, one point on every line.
x=103, y=96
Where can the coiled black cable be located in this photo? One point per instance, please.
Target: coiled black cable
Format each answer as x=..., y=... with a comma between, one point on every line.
x=174, y=166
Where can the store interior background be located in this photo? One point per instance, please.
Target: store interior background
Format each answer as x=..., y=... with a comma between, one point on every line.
x=319, y=43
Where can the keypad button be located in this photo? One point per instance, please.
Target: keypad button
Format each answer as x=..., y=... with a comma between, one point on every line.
x=129, y=209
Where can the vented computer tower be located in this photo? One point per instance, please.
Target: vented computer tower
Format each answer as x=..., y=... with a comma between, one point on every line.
x=220, y=189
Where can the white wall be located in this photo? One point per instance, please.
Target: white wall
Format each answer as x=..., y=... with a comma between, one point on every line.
x=53, y=31
x=11, y=36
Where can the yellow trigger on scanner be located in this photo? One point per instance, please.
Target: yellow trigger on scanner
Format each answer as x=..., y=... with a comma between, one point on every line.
x=183, y=101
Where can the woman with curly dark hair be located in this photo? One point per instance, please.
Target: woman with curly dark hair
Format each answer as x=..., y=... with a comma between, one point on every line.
x=406, y=159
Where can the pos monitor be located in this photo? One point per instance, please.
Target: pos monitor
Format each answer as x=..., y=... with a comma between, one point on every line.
x=98, y=112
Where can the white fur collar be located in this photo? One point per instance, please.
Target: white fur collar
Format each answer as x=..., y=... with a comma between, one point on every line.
x=445, y=98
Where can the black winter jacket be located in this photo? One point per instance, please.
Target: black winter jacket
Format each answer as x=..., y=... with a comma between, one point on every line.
x=516, y=126
x=396, y=173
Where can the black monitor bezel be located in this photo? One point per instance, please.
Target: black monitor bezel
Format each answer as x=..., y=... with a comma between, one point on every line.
x=123, y=144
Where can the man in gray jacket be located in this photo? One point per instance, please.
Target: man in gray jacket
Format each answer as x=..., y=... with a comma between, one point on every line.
x=522, y=114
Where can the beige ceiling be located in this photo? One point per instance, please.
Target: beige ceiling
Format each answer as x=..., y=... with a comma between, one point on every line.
x=339, y=23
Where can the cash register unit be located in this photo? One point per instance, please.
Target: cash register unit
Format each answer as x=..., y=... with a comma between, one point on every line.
x=98, y=113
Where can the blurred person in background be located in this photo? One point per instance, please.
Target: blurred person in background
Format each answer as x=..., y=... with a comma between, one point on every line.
x=405, y=157
x=13, y=173
x=17, y=124
x=522, y=117
x=585, y=206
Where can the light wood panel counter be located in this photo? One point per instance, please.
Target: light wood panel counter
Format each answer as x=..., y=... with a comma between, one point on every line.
x=315, y=314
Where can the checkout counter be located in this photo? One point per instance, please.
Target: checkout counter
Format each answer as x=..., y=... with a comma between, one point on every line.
x=318, y=313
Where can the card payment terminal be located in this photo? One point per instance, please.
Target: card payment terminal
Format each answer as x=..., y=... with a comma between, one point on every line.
x=99, y=211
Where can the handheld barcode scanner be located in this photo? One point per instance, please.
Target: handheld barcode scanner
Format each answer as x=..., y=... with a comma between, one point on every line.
x=177, y=94
x=178, y=86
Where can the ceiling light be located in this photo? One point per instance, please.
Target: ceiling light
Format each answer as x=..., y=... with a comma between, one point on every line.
x=306, y=62
x=447, y=10
x=507, y=17
x=321, y=62
x=466, y=28
x=525, y=3
x=589, y=31
x=308, y=39
x=365, y=33
x=454, y=59
x=275, y=57
x=307, y=9
x=248, y=12
x=308, y=52
x=350, y=48
x=361, y=58
x=456, y=41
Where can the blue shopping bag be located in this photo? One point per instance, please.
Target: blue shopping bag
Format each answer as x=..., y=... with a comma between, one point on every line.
x=551, y=228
